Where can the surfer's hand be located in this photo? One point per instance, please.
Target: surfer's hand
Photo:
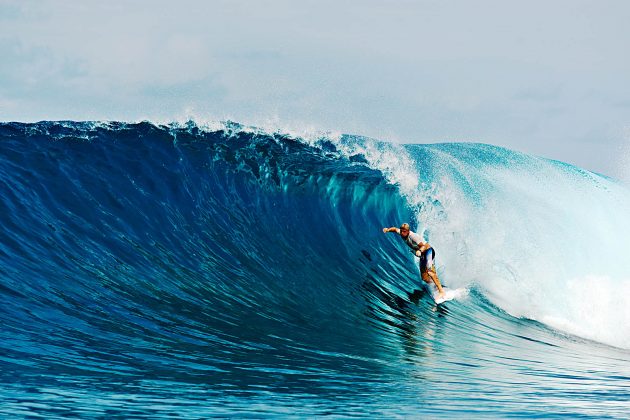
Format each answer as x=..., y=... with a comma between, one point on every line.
x=418, y=253
x=384, y=230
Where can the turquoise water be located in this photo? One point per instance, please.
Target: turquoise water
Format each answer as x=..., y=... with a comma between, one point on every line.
x=158, y=271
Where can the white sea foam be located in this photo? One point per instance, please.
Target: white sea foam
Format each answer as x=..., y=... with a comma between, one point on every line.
x=594, y=307
x=543, y=240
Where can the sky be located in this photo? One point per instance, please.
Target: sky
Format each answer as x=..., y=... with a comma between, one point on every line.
x=550, y=78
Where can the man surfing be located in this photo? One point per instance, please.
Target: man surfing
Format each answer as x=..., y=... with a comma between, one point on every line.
x=422, y=250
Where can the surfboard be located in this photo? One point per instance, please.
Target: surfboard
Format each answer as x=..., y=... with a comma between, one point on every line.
x=449, y=294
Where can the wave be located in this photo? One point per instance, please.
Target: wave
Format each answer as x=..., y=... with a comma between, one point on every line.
x=115, y=231
x=230, y=255
x=544, y=240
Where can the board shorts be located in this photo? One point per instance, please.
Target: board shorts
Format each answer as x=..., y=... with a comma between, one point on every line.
x=426, y=260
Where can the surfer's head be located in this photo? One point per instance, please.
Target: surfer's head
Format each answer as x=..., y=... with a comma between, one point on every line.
x=404, y=230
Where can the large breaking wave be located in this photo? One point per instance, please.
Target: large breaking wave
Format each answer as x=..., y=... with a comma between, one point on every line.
x=247, y=259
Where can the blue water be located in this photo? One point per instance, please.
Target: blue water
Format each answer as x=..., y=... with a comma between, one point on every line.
x=179, y=270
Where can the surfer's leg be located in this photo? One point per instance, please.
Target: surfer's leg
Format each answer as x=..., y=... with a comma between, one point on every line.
x=430, y=269
x=425, y=277
x=434, y=277
x=423, y=270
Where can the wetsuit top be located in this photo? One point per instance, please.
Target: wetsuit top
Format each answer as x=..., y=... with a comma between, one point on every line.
x=413, y=240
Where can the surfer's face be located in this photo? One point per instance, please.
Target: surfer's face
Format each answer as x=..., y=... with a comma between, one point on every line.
x=404, y=232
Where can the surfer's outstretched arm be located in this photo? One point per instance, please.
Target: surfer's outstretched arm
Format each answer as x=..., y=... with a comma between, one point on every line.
x=391, y=229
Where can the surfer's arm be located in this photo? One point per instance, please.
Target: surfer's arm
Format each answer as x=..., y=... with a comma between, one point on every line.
x=422, y=246
x=391, y=229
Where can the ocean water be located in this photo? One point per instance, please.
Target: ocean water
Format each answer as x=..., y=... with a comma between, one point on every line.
x=196, y=271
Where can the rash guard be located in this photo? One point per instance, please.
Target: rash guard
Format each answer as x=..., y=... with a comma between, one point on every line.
x=413, y=239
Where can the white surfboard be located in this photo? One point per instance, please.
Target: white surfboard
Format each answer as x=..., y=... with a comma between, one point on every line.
x=449, y=294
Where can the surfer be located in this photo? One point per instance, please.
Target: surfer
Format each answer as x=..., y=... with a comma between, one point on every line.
x=422, y=250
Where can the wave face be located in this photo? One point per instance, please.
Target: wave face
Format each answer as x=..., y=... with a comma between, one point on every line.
x=180, y=270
